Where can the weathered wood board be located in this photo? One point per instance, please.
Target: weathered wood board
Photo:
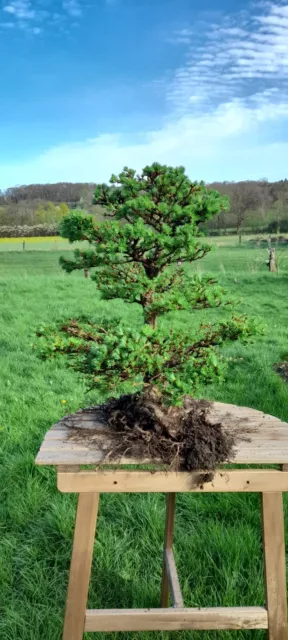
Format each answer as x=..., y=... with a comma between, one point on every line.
x=261, y=438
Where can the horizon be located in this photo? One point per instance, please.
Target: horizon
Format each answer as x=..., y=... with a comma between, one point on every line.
x=213, y=182
x=90, y=89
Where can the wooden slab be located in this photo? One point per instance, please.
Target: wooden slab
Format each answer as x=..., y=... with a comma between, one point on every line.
x=217, y=618
x=261, y=438
x=173, y=579
x=137, y=481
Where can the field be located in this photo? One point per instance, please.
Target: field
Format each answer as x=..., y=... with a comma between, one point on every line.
x=218, y=537
x=53, y=243
x=50, y=243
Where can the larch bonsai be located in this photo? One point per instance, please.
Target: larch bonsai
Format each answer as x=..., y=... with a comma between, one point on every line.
x=142, y=254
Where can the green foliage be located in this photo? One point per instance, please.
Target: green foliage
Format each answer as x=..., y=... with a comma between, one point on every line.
x=160, y=196
x=115, y=355
x=49, y=213
x=137, y=255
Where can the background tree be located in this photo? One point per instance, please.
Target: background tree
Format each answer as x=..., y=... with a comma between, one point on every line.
x=49, y=213
x=280, y=205
x=21, y=202
x=244, y=197
x=264, y=200
x=221, y=222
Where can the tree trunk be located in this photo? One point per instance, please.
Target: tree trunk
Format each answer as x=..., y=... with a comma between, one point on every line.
x=238, y=231
x=272, y=260
x=153, y=321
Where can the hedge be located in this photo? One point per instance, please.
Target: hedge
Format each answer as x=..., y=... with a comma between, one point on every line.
x=25, y=231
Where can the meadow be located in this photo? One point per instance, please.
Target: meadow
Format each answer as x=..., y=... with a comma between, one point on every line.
x=218, y=537
x=46, y=243
x=56, y=243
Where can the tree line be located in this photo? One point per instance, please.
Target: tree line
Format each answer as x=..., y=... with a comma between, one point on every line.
x=255, y=206
x=44, y=204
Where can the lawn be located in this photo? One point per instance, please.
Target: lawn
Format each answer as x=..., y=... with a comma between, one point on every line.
x=218, y=537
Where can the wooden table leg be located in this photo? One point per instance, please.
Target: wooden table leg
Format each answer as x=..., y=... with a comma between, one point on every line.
x=80, y=568
x=168, y=539
x=275, y=565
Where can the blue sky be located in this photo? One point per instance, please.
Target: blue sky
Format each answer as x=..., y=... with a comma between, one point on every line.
x=90, y=86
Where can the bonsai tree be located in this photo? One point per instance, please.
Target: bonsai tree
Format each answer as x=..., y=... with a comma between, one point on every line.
x=142, y=254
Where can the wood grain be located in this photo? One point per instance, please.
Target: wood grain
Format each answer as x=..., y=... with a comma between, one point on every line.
x=80, y=568
x=173, y=619
x=168, y=540
x=275, y=565
x=260, y=438
x=173, y=580
x=117, y=481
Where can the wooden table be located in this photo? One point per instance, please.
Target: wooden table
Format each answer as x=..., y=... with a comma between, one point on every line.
x=261, y=439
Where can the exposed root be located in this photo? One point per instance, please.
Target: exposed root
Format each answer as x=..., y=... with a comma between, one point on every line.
x=179, y=437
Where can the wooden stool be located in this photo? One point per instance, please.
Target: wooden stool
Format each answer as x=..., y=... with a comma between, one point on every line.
x=265, y=442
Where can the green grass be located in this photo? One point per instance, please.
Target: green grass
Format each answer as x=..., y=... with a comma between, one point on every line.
x=53, y=243
x=45, y=243
x=218, y=537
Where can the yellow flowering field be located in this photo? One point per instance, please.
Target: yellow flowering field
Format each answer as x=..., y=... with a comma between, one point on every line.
x=45, y=243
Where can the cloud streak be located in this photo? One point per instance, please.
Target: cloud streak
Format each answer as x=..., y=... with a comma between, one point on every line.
x=21, y=9
x=73, y=8
x=233, y=57
x=33, y=18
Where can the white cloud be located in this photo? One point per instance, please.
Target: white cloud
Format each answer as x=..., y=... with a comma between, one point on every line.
x=281, y=10
x=242, y=48
x=223, y=144
x=278, y=21
x=73, y=8
x=195, y=99
x=234, y=31
x=24, y=13
x=181, y=36
x=21, y=9
x=185, y=32
x=9, y=9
